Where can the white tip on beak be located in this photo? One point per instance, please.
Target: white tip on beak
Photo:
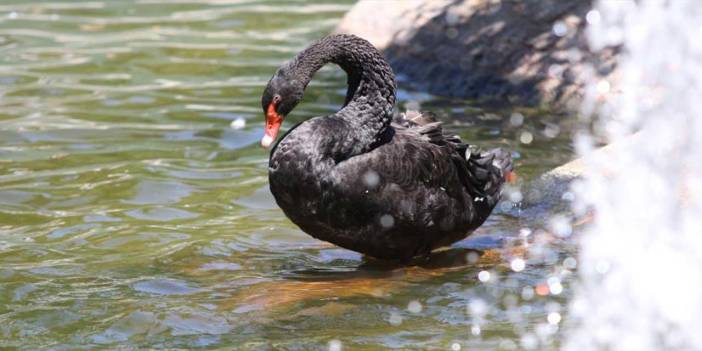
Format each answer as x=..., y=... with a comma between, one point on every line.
x=267, y=141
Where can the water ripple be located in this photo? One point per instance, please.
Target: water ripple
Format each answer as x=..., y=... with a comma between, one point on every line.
x=132, y=215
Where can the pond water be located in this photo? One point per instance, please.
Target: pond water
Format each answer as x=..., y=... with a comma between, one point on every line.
x=135, y=211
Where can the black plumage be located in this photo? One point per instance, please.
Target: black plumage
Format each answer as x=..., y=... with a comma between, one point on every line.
x=387, y=188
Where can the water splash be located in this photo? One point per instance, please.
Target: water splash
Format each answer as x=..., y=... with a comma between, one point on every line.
x=639, y=262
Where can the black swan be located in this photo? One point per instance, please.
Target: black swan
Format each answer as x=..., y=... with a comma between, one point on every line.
x=388, y=188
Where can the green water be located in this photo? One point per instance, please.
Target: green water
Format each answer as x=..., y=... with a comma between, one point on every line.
x=132, y=215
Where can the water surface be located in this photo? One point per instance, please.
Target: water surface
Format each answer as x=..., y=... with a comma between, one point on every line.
x=134, y=207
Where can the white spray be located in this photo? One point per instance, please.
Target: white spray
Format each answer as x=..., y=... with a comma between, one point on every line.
x=641, y=259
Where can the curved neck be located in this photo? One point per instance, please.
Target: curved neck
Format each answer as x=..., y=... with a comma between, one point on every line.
x=370, y=98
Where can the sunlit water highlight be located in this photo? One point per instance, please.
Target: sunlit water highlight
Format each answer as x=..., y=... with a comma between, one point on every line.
x=640, y=260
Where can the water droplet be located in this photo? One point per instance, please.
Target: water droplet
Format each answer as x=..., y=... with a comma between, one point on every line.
x=554, y=285
x=560, y=225
x=603, y=86
x=554, y=318
x=335, y=345
x=414, y=306
x=542, y=289
x=371, y=178
x=526, y=137
x=593, y=17
x=551, y=130
x=395, y=319
x=524, y=232
x=516, y=196
x=387, y=221
x=475, y=329
x=517, y=264
x=516, y=119
x=484, y=276
x=477, y=307
x=12, y=15
x=456, y=346
x=529, y=341
x=560, y=28
x=238, y=123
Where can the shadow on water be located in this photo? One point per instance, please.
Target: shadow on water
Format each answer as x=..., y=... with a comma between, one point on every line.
x=376, y=278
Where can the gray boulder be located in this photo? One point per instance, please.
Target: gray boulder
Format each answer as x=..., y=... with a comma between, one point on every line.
x=530, y=52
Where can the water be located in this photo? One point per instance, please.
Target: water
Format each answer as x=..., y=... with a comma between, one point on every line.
x=641, y=286
x=134, y=209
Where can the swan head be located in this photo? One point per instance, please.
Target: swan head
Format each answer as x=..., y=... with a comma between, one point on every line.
x=280, y=97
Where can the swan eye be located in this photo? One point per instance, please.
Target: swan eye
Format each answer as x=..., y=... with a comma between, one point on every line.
x=276, y=99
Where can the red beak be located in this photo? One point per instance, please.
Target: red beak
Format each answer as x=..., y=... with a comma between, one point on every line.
x=273, y=122
x=511, y=177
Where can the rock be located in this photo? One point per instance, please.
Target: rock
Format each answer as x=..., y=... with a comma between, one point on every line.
x=549, y=193
x=530, y=52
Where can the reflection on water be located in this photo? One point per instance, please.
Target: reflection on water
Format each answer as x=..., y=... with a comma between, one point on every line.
x=134, y=212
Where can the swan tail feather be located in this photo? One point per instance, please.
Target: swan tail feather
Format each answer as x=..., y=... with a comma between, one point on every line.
x=488, y=171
